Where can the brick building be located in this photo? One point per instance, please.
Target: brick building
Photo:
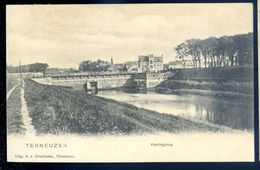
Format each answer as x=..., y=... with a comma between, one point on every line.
x=150, y=63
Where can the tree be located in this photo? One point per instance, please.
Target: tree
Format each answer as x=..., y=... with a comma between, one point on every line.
x=182, y=52
x=97, y=66
x=218, y=52
x=244, y=49
x=36, y=67
x=194, y=50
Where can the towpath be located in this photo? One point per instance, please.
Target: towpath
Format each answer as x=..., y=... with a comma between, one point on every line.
x=27, y=120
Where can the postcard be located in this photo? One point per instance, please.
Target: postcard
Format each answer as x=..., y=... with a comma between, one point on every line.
x=130, y=83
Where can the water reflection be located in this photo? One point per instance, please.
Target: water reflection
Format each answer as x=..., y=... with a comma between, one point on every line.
x=234, y=112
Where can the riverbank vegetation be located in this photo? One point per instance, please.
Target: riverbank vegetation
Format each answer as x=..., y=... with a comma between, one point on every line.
x=236, y=73
x=231, y=80
x=61, y=110
x=230, y=87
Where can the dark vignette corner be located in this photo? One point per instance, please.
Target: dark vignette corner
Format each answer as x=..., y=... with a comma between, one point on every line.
x=256, y=97
x=2, y=87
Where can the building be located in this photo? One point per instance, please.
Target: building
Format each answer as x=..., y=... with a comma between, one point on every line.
x=175, y=64
x=111, y=67
x=180, y=63
x=150, y=63
x=112, y=62
x=188, y=62
x=145, y=63
x=166, y=66
x=120, y=67
x=131, y=66
x=149, y=80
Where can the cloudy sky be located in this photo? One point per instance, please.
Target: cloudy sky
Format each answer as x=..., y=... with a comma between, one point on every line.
x=64, y=35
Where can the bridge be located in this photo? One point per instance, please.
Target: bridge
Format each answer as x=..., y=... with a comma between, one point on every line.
x=105, y=81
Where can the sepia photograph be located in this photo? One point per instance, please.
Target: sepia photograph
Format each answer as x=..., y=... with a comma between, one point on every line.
x=130, y=83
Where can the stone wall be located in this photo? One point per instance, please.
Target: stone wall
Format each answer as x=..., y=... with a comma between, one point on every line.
x=106, y=82
x=103, y=83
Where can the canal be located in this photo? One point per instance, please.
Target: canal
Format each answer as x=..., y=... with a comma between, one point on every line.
x=234, y=112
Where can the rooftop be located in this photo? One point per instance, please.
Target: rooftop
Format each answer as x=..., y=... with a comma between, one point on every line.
x=146, y=58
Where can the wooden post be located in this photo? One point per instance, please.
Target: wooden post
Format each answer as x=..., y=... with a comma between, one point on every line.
x=20, y=69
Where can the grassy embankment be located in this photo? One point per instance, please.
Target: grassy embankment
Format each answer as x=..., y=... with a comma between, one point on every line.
x=232, y=80
x=11, y=81
x=14, y=117
x=61, y=110
x=13, y=108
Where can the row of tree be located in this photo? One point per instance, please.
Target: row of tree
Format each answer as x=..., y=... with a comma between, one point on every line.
x=97, y=66
x=36, y=67
x=217, y=52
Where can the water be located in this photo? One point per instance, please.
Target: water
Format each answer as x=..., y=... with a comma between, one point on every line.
x=235, y=112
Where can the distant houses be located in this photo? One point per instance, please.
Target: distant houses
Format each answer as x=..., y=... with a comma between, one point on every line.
x=131, y=66
x=178, y=64
x=150, y=63
x=119, y=67
x=145, y=63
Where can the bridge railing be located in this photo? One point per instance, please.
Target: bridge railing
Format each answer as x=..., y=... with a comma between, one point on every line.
x=87, y=74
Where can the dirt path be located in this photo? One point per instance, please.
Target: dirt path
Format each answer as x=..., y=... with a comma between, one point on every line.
x=27, y=121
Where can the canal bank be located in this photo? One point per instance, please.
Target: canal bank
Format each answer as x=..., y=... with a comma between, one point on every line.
x=62, y=110
x=14, y=117
x=222, y=87
x=236, y=80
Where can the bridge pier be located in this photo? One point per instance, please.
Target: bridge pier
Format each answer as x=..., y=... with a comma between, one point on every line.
x=91, y=87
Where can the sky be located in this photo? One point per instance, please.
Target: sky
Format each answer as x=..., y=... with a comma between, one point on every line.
x=65, y=35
